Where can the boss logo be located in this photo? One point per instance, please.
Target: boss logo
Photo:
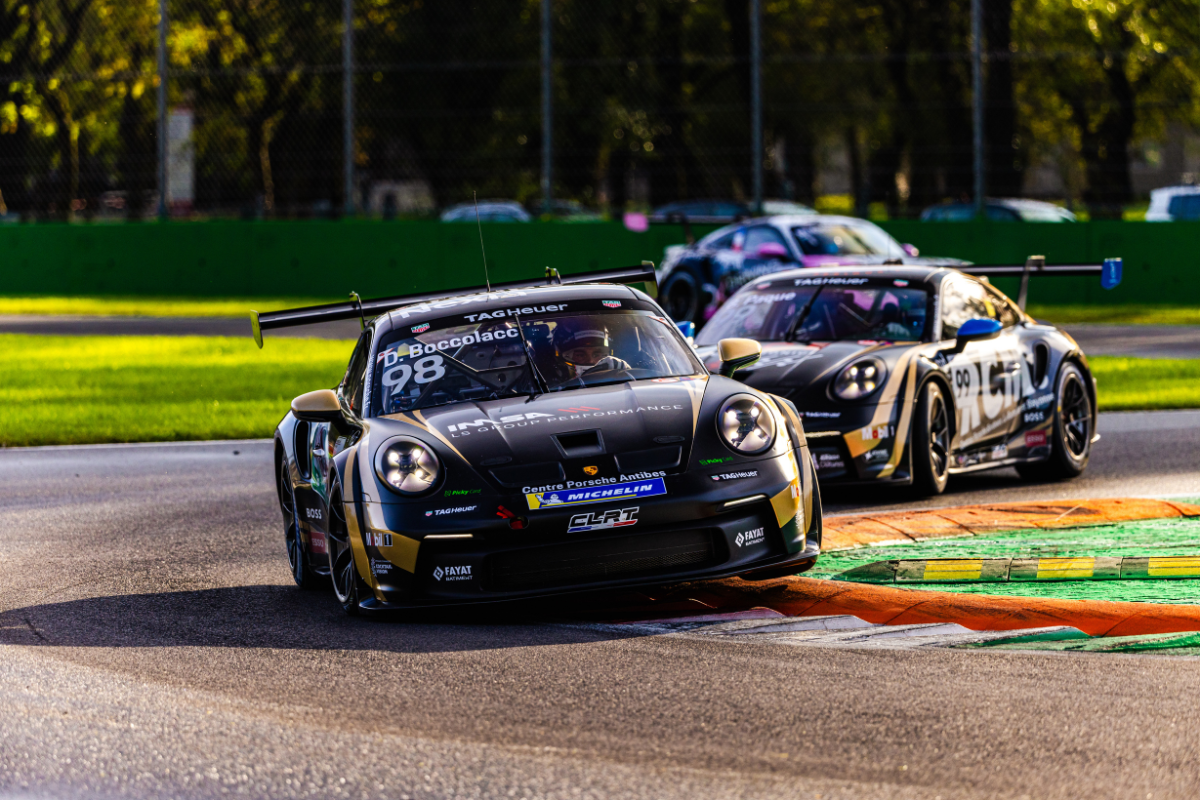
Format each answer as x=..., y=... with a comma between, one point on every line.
x=312, y=513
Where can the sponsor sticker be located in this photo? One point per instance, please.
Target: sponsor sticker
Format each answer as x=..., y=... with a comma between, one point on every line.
x=424, y=326
x=876, y=455
x=820, y=414
x=872, y=432
x=751, y=537
x=999, y=451
x=704, y=462
x=591, y=470
x=457, y=573
x=611, y=303
x=599, y=520
x=376, y=539
x=317, y=541
x=457, y=492
x=596, y=494
x=440, y=512
x=829, y=461
x=1035, y=439
x=733, y=476
x=899, y=283
x=312, y=513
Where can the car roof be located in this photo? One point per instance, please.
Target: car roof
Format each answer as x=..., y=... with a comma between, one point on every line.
x=906, y=272
x=473, y=301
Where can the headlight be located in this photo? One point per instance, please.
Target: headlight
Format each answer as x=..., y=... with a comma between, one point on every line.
x=746, y=425
x=860, y=379
x=407, y=466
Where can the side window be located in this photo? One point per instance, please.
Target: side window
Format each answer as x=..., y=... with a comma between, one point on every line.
x=356, y=373
x=759, y=235
x=962, y=300
x=1006, y=310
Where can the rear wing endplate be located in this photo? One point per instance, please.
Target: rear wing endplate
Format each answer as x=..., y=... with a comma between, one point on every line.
x=357, y=308
x=1109, y=272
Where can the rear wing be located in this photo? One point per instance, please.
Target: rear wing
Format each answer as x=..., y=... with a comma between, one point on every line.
x=360, y=309
x=1109, y=272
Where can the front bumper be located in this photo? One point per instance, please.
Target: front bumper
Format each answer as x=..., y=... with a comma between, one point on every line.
x=700, y=529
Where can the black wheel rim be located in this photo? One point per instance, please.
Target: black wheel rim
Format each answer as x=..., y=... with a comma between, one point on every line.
x=341, y=557
x=291, y=523
x=1076, y=415
x=681, y=301
x=939, y=436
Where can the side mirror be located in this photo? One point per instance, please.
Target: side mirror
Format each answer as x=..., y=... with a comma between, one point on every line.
x=688, y=329
x=976, y=330
x=737, y=354
x=772, y=251
x=911, y=250
x=319, y=406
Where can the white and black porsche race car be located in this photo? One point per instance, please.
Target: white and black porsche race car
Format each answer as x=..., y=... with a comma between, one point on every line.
x=908, y=374
x=535, y=438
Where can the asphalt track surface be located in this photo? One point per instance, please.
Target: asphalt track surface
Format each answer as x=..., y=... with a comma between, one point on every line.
x=1146, y=341
x=152, y=645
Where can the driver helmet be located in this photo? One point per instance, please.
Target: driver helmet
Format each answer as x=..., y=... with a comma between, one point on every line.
x=582, y=345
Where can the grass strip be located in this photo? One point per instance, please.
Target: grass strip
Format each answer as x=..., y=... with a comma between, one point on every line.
x=152, y=306
x=87, y=389
x=1117, y=315
x=1129, y=384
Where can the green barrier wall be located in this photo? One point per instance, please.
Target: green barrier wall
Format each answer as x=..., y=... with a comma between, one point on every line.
x=247, y=259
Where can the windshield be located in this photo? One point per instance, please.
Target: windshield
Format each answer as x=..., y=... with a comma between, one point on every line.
x=824, y=239
x=485, y=359
x=823, y=309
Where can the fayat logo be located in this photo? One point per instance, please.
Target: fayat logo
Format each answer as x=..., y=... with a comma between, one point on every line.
x=459, y=573
x=751, y=537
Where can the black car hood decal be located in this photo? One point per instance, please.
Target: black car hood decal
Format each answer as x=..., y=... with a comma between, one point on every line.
x=520, y=430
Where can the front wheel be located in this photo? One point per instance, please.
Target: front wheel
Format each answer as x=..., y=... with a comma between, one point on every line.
x=1074, y=426
x=348, y=586
x=931, y=441
x=302, y=572
x=681, y=296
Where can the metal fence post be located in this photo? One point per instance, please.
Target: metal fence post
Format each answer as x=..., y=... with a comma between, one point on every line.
x=547, y=111
x=756, y=112
x=162, y=109
x=348, y=104
x=977, y=100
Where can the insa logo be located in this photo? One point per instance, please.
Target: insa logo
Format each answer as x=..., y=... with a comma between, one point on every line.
x=462, y=573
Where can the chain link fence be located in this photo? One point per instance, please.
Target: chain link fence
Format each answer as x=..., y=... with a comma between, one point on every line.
x=866, y=107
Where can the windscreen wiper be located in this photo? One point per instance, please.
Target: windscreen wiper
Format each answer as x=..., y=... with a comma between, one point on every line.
x=795, y=326
x=535, y=373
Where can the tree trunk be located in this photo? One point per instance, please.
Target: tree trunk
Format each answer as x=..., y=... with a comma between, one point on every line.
x=1005, y=162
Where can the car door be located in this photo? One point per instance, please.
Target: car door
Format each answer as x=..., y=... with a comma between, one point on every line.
x=759, y=250
x=987, y=376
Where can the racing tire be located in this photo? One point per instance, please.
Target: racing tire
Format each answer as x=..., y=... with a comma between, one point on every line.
x=298, y=560
x=680, y=296
x=348, y=586
x=931, y=441
x=1074, y=426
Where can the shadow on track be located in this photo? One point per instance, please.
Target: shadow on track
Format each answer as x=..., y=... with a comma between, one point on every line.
x=283, y=617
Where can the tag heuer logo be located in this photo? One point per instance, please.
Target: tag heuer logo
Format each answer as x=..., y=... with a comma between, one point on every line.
x=438, y=573
x=591, y=470
x=611, y=303
x=420, y=328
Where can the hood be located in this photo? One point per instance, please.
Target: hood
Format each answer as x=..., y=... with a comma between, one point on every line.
x=785, y=366
x=607, y=421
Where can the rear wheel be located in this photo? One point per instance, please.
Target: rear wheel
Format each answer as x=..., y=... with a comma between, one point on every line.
x=1071, y=435
x=348, y=586
x=302, y=572
x=931, y=441
x=681, y=296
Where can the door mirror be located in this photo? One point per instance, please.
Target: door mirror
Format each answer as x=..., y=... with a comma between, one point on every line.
x=319, y=406
x=911, y=250
x=737, y=354
x=772, y=251
x=976, y=330
x=687, y=328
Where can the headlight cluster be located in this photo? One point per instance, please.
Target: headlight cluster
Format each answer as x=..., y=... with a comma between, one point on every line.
x=860, y=379
x=407, y=466
x=746, y=425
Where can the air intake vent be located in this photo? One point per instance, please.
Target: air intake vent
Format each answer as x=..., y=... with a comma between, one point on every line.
x=652, y=459
x=580, y=444
x=605, y=560
x=529, y=474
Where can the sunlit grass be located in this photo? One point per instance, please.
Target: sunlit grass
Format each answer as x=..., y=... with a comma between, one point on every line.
x=151, y=306
x=1126, y=384
x=1125, y=315
x=81, y=389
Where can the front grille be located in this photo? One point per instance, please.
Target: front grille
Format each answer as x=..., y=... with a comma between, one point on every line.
x=595, y=561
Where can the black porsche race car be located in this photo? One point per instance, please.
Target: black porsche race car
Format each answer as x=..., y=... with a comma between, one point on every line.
x=908, y=374
x=535, y=438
